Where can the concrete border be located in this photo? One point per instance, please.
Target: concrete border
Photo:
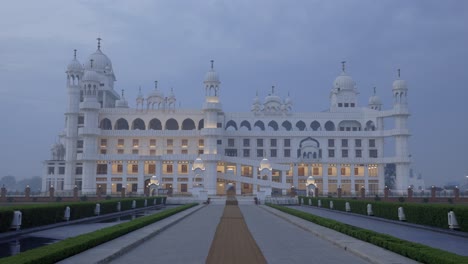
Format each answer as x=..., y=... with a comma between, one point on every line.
x=108, y=251
x=367, y=251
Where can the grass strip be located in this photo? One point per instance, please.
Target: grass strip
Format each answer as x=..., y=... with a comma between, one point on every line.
x=415, y=251
x=74, y=245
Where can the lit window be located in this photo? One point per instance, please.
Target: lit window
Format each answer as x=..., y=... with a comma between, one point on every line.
x=135, y=143
x=152, y=143
x=120, y=143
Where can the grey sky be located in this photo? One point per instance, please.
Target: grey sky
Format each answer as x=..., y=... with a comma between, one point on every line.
x=295, y=45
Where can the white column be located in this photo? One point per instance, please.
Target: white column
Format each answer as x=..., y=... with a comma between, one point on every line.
x=366, y=177
x=338, y=176
x=238, y=176
x=254, y=176
x=109, y=178
x=124, y=175
x=141, y=177
x=295, y=176
x=353, y=191
x=325, y=178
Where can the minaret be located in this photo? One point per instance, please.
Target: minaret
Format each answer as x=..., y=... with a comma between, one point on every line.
x=90, y=131
x=211, y=132
x=401, y=114
x=74, y=74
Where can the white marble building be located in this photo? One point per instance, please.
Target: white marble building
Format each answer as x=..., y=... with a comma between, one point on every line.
x=109, y=144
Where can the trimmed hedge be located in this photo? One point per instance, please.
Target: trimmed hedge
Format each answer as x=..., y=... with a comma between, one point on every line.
x=434, y=215
x=415, y=251
x=71, y=246
x=45, y=214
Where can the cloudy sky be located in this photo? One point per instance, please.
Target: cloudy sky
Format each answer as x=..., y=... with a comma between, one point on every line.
x=295, y=45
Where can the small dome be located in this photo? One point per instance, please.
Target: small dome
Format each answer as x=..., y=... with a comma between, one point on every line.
x=156, y=94
x=74, y=66
x=399, y=85
x=344, y=82
x=211, y=76
x=122, y=103
x=375, y=100
x=91, y=76
x=100, y=62
x=288, y=100
x=272, y=98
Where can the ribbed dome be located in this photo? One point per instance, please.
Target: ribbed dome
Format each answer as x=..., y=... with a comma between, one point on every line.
x=399, y=84
x=375, y=100
x=211, y=76
x=344, y=82
x=272, y=98
x=74, y=66
x=100, y=62
x=156, y=93
x=91, y=76
x=122, y=103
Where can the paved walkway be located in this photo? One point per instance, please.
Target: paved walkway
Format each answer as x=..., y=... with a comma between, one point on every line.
x=433, y=238
x=186, y=242
x=233, y=242
x=186, y=238
x=282, y=242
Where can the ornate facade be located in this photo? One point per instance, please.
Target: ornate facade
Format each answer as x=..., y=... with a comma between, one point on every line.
x=108, y=145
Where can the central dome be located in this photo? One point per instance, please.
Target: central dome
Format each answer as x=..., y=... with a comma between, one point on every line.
x=101, y=62
x=344, y=82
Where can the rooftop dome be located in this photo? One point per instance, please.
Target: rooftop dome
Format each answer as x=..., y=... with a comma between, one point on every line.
x=344, y=82
x=212, y=75
x=91, y=76
x=399, y=85
x=375, y=100
x=272, y=97
x=74, y=65
x=121, y=103
x=156, y=92
x=100, y=62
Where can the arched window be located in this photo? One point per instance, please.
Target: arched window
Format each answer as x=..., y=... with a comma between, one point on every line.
x=273, y=125
x=188, y=124
x=231, y=123
x=260, y=125
x=287, y=125
x=370, y=126
x=245, y=124
x=315, y=125
x=329, y=126
x=201, y=124
x=301, y=125
x=121, y=124
x=171, y=124
x=138, y=124
x=155, y=124
x=349, y=125
x=105, y=124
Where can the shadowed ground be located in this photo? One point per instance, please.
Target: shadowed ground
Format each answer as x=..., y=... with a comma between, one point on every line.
x=233, y=242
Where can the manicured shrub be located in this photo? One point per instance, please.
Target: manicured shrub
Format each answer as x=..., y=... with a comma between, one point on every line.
x=415, y=251
x=66, y=248
x=434, y=215
x=45, y=214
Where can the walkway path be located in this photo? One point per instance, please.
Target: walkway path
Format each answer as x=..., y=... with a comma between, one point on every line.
x=433, y=238
x=186, y=242
x=282, y=242
x=233, y=242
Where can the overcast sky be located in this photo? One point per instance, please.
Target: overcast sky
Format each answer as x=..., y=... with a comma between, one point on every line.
x=295, y=45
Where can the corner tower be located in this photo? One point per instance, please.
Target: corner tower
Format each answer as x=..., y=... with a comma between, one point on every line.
x=211, y=131
x=401, y=114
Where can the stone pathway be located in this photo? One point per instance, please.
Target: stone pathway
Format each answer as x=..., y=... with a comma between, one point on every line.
x=233, y=242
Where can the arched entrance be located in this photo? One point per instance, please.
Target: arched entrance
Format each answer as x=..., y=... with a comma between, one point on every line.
x=230, y=189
